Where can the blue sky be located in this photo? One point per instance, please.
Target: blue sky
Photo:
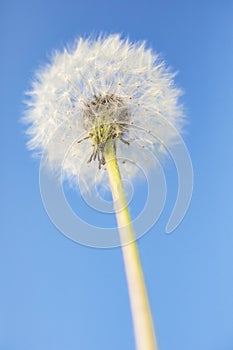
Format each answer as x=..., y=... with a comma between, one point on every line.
x=56, y=294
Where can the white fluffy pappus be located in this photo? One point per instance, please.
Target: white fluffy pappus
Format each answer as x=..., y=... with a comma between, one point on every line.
x=100, y=89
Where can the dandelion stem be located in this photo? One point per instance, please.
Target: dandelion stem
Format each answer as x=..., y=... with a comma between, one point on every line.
x=142, y=319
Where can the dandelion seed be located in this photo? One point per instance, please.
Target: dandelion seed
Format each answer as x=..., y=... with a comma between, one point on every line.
x=108, y=85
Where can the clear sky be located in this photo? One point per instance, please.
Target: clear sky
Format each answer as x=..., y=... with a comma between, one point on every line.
x=57, y=294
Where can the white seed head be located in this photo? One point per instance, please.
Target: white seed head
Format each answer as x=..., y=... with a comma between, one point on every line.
x=102, y=88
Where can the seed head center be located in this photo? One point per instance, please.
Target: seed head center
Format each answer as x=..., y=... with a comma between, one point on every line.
x=105, y=117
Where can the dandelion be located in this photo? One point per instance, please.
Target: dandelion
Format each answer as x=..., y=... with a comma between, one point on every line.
x=110, y=93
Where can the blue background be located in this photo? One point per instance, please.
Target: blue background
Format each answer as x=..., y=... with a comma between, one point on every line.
x=56, y=294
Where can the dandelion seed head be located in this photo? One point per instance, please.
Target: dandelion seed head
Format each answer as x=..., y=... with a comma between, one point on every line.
x=104, y=88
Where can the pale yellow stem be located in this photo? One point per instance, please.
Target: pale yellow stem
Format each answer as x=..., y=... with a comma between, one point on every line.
x=142, y=319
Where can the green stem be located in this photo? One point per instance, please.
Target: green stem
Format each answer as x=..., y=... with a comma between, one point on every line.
x=142, y=319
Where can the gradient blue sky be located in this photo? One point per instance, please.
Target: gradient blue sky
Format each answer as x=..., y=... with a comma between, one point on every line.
x=56, y=294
